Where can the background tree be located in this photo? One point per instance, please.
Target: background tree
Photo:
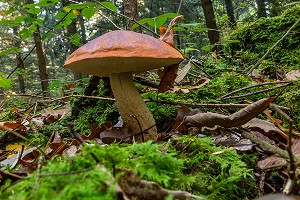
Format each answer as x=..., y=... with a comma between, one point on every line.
x=261, y=8
x=210, y=20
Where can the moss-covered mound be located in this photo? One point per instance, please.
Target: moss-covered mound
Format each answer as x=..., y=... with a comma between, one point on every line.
x=257, y=37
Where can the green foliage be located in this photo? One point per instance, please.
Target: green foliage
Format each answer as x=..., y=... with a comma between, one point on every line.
x=155, y=22
x=220, y=86
x=147, y=160
x=98, y=113
x=219, y=171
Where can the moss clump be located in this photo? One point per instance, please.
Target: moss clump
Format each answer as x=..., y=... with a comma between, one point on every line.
x=257, y=37
x=219, y=171
x=198, y=169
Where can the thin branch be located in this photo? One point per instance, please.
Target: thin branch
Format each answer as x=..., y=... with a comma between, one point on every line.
x=179, y=7
x=252, y=86
x=253, y=93
x=31, y=50
x=270, y=49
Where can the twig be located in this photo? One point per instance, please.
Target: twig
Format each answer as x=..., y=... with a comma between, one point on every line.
x=270, y=49
x=192, y=105
x=263, y=144
x=292, y=167
x=68, y=173
x=180, y=4
x=11, y=174
x=253, y=93
x=252, y=86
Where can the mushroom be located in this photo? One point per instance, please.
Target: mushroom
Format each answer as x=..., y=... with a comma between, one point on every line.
x=119, y=54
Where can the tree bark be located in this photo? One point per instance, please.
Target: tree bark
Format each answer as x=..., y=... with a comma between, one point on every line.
x=131, y=11
x=230, y=13
x=41, y=57
x=41, y=62
x=213, y=35
x=261, y=8
x=71, y=30
x=19, y=59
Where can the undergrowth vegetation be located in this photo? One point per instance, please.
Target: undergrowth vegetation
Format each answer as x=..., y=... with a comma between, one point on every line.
x=201, y=167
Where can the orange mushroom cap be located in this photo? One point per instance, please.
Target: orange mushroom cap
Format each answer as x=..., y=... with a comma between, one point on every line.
x=122, y=51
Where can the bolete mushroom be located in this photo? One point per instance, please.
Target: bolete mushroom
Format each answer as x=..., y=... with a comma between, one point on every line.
x=119, y=54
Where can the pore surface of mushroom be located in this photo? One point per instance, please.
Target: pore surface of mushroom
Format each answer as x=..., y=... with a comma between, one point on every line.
x=119, y=54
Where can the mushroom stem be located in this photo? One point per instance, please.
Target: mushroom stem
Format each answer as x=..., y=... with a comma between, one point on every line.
x=132, y=107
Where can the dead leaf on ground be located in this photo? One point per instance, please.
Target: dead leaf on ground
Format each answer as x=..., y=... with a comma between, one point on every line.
x=115, y=134
x=267, y=128
x=275, y=160
x=13, y=126
x=49, y=115
x=182, y=73
x=182, y=112
x=293, y=75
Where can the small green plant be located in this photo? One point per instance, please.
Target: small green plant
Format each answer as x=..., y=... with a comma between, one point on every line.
x=219, y=171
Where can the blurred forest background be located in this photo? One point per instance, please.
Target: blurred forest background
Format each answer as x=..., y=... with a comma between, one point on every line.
x=37, y=36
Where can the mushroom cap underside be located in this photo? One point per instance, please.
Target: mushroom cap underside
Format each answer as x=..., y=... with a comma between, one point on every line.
x=122, y=51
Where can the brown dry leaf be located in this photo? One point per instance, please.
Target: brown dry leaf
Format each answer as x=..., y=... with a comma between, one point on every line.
x=182, y=112
x=263, y=126
x=182, y=73
x=293, y=75
x=13, y=126
x=115, y=134
x=168, y=74
x=49, y=115
x=271, y=162
x=183, y=90
x=30, y=157
x=168, y=78
x=276, y=160
x=167, y=34
x=96, y=130
x=241, y=117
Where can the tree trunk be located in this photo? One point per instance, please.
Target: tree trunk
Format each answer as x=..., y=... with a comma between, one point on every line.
x=19, y=59
x=71, y=30
x=41, y=57
x=274, y=7
x=230, y=13
x=213, y=35
x=41, y=62
x=261, y=8
x=130, y=10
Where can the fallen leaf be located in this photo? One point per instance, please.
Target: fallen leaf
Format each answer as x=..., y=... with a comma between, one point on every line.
x=264, y=126
x=182, y=73
x=13, y=126
x=168, y=78
x=182, y=112
x=49, y=115
x=115, y=134
x=293, y=75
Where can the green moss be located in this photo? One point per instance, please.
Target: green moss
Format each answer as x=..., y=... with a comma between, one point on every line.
x=219, y=171
x=257, y=37
x=201, y=168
